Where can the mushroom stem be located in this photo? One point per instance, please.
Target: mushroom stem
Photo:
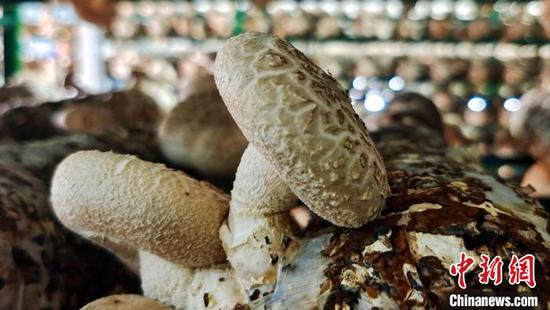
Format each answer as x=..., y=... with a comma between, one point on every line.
x=259, y=223
x=258, y=188
x=189, y=288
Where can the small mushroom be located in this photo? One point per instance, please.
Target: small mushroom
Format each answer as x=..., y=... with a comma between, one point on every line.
x=147, y=205
x=91, y=114
x=301, y=120
x=172, y=219
x=413, y=109
x=125, y=302
x=128, y=109
x=200, y=134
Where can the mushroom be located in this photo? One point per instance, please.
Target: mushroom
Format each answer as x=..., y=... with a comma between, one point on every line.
x=125, y=302
x=301, y=120
x=172, y=219
x=97, y=113
x=305, y=141
x=199, y=134
x=413, y=108
x=192, y=216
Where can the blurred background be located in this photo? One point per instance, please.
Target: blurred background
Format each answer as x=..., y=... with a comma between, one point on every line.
x=485, y=64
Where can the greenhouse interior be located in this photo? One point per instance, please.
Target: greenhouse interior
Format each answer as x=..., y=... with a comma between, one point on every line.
x=374, y=154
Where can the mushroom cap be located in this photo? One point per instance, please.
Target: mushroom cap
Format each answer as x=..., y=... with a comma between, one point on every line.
x=83, y=118
x=147, y=205
x=302, y=121
x=133, y=107
x=199, y=133
x=413, y=108
x=125, y=302
x=530, y=123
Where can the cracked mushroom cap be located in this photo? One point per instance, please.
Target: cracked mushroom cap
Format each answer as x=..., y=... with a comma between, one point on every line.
x=125, y=302
x=301, y=120
x=200, y=134
x=147, y=205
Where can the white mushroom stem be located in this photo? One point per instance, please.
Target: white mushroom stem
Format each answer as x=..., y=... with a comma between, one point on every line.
x=212, y=287
x=257, y=188
x=259, y=225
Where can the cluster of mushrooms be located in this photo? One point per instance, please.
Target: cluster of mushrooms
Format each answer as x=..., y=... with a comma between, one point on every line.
x=387, y=213
x=185, y=230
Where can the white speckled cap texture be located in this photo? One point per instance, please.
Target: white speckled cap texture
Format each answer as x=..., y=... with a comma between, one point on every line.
x=301, y=120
